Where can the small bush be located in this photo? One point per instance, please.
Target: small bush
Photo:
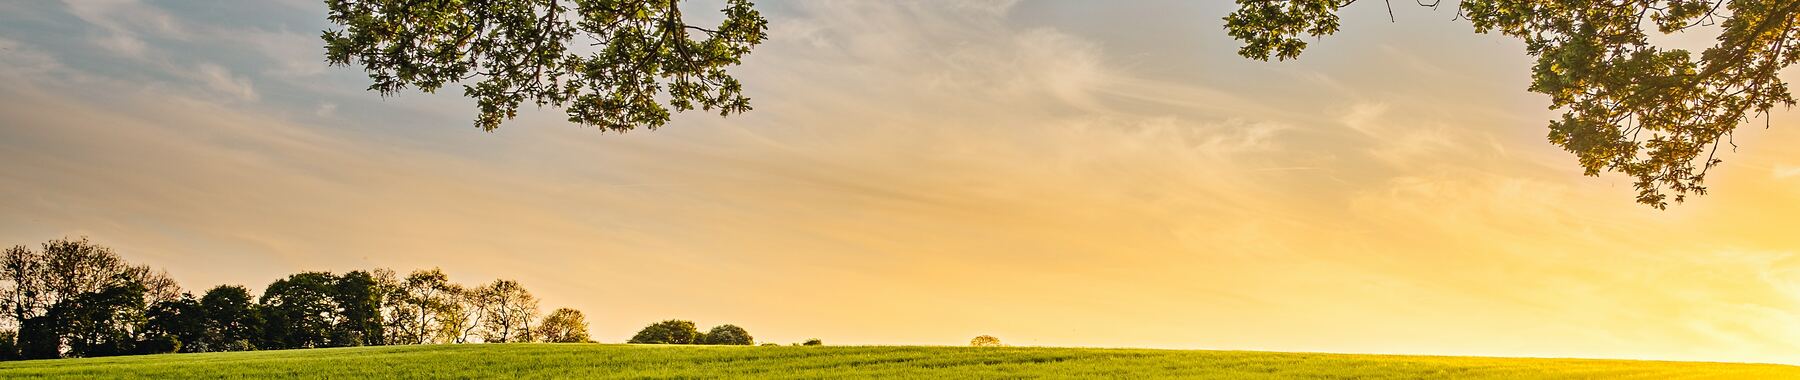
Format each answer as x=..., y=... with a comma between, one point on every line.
x=727, y=335
x=162, y=344
x=813, y=342
x=985, y=341
x=672, y=331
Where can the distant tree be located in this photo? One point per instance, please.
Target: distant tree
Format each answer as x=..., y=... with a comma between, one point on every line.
x=33, y=282
x=181, y=319
x=813, y=342
x=158, y=286
x=358, y=296
x=420, y=305
x=231, y=319
x=985, y=341
x=510, y=311
x=672, y=331
x=76, y=267
x=102, y=323
x=298, y=311
x=9, y=345
x=158, y=344
x=645, y=55
x=465, y=316
x=387, y=288
x=564, y=325
x=727, y=335
x=38, y=338
x=771, y=345
x=22, y=284
x=37, y=283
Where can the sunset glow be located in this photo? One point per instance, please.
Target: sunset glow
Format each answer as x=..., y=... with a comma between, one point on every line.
x=1056, y=173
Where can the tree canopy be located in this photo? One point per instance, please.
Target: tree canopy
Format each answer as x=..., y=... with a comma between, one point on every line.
x=1629, y=106
x=727, y=335
x=985, y=341
x=673, y=331
x=73, y=298
x=606, y=62
x=564, y=325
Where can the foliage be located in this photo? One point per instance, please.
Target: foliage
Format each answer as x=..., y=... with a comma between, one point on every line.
x=564, y=325
x=182, y=320
x=38, y=338
x=510, y=310
x=358, y=296
x=465, y=314
x=813, y=342
x=985, y=341
x=520, y=51
x=610, y=361
x=298, y=311
x=1629, y=106
x=76, y=299
x=673, y=331
x=419, y=306
x=158, y=344
x=100, y=323
x=231, y=319
x=728, y=335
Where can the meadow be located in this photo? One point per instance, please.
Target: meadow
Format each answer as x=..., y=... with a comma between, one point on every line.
x=544, y=360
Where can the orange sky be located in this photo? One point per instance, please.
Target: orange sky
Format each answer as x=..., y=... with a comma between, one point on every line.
x=1051, y=173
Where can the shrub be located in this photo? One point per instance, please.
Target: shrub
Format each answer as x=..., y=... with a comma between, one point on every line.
x=985, y=341
x=727, y=335
x=813, y=342
x=672, y=331
x=160, y=344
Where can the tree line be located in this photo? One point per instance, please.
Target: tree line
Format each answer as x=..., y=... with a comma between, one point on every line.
x=72, y=298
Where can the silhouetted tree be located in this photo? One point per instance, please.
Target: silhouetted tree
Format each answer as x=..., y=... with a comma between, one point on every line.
x=510, y=310
x=9, y=345
x=67, y=296
x=102, y=323
x=231, y=319
x=32, y=282
x=519, y=50
x=465, y=316
x=158, y=286
x=358, y=296
x=424, y=298
x=298, y=311
x=728, y=335
x=813, y=342
x=672, y=331
x=181, y=319
x=564, y=325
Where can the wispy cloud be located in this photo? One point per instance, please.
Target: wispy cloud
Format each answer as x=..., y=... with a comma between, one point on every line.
x=977, y=157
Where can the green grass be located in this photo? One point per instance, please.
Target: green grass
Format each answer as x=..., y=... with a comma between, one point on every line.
x=669, y=362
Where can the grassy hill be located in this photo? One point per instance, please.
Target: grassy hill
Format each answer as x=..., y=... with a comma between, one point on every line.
x=636, y=361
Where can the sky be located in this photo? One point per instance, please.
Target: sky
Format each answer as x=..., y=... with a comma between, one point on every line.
x=1054, y=173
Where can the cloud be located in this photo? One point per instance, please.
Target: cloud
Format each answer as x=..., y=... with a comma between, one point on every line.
x=220, y=80
x=1784, y=171
x=920, y=158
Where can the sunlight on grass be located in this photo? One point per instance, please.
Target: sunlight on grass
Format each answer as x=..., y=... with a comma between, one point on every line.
x=656, y=361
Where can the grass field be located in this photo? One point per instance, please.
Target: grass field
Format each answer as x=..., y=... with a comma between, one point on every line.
x=635, y=361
